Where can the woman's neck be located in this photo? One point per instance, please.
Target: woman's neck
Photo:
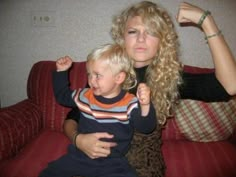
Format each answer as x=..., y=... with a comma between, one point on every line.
x=140, y=64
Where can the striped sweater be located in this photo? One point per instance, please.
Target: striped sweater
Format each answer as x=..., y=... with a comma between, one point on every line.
x=119, y=116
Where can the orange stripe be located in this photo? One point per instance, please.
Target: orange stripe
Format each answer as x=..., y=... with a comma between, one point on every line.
x=124, y=102
x=101, y=115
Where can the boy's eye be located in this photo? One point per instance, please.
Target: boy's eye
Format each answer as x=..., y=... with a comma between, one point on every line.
x=98, y=76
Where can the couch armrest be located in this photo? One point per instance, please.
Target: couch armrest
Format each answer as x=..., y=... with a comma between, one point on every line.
x=19, y=123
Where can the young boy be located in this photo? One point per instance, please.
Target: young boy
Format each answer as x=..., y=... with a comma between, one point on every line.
x=104, y=107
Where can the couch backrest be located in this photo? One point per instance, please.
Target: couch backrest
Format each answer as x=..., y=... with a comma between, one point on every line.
x=39, y=90
x=201, y=121
x=171, y=130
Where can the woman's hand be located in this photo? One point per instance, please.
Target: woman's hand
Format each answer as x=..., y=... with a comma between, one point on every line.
x=92, y=146
x=189, y=13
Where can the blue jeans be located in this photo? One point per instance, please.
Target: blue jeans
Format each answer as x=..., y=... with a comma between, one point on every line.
x=76, y=162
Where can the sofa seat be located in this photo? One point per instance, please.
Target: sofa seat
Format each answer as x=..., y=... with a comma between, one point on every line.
x=182, y=158
x=197, y=159
x=47, y=146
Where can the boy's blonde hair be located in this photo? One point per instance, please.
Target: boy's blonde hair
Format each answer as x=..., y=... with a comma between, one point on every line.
x=118, y=61
x=163, y=74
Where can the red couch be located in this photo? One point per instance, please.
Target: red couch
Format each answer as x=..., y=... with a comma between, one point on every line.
x=31, y=134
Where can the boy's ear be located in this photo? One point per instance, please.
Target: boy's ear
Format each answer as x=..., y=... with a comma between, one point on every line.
x=120, y=77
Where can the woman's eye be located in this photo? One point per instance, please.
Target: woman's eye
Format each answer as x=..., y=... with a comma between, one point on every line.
x=132, y=32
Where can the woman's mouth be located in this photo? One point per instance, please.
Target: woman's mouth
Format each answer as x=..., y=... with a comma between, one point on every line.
x=140, y=49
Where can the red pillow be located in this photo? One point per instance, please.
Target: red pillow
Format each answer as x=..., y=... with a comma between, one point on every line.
x=204, y=122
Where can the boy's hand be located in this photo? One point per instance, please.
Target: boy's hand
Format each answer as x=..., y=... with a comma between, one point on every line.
x=143, y=94
x=64, y=63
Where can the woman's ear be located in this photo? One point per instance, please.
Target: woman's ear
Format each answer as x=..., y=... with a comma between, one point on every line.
x=120, y=77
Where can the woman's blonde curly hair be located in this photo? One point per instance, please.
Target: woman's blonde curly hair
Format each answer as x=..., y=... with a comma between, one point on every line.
x=163, y=74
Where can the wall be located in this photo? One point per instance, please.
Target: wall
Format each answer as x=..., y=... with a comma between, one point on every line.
x=77, y=26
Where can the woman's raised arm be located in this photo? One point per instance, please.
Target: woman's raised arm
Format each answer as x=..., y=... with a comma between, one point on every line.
x=223, y=59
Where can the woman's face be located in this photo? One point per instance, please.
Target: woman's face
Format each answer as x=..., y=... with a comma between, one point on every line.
x=140, y=45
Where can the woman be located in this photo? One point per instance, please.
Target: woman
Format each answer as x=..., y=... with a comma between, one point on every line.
x=148, y=35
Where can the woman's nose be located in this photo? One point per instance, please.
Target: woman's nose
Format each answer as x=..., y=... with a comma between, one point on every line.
x=141, y=37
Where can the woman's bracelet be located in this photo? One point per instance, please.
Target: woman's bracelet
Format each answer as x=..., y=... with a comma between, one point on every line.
x=204, y=15
x=74, y=138
x=213, y=35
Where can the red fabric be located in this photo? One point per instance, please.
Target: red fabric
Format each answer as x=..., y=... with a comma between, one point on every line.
x=193, y=159
x=48, y=146
x=233, y=137
x=40, y=90
x=197, y=70
x=19, y=124
x=203, y=122
x=171, y=131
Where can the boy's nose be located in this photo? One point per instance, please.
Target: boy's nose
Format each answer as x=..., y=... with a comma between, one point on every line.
x=93, y=80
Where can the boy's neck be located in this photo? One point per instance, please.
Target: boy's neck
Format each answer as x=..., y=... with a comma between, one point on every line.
x=114, y=92
x=111, y=100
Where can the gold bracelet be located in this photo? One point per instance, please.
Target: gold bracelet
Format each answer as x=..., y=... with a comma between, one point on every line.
x=213, y=35
x=204, y=15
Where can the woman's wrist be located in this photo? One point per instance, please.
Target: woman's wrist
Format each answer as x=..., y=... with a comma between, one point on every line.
x=203, y=17
x=209, y=26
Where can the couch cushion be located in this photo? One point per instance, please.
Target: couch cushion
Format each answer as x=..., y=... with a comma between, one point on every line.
x=170, y=131
x=195, y=159
x=204, y=122
x=19, y=124
x=48, y=146
x=39, y=89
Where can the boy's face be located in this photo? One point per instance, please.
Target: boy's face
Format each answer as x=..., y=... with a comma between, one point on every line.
x=101, y=79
